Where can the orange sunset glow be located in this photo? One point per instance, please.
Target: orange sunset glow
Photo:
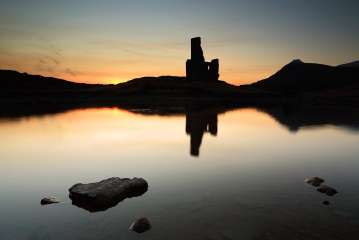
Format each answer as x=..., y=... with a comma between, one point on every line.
x=120, y=40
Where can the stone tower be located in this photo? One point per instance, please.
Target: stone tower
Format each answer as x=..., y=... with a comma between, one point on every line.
x=197, y=69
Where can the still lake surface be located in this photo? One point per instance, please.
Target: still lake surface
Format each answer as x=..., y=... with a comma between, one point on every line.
x=243, y=180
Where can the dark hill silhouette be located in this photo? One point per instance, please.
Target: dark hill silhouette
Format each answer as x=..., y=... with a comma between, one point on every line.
x=15, y=81
x=297, y=83
x=354, y=64
x=23, y=94
x=175, y=86
x=165, y=92
x=299, y=77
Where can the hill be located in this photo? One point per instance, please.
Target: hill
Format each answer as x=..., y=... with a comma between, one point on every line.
x=299, y=77
x=354, y=64
x=16, y=81
x=296, y=84
x=23, y=85
x=25, y=94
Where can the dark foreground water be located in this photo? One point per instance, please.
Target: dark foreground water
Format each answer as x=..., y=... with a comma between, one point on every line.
x=243, y=180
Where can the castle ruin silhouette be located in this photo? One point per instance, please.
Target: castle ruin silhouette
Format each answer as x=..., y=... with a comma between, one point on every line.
x=197, y=69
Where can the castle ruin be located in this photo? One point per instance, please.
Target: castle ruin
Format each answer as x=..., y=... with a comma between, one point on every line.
x=197, y=69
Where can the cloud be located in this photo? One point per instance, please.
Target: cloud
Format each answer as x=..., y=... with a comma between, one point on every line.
x=140, y=48
x=71, y=72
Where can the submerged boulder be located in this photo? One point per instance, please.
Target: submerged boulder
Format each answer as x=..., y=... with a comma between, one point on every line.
x=49, y=200
x=140, y=225
x=99, y=196
x=327, y=190
x=314, y=181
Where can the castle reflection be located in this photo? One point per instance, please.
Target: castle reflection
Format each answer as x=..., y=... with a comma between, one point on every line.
x=197, y=124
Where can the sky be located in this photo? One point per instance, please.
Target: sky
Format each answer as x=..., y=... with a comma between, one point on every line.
x=112, y=41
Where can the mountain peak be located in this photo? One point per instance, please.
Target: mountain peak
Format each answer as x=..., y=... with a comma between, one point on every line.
x=296, y=61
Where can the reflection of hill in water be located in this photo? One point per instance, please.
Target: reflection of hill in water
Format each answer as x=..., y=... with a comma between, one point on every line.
x=204, y=119
x=296, y=117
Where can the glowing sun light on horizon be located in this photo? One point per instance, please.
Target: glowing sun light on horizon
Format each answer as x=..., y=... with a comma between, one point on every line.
x=116, y=80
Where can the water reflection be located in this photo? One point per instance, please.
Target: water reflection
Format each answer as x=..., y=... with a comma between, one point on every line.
x=197, y=124
x=188, y=199
x=203, y=118
x=295, y=117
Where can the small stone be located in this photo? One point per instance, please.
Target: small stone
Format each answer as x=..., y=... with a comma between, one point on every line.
x=327, y=190
x=314, y=181
x=141, y=225
x=326, y=203
x=49, y=200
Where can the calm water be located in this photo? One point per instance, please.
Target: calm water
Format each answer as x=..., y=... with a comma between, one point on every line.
x=242, y=180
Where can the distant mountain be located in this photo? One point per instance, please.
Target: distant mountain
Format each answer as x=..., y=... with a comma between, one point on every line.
x=300, y=77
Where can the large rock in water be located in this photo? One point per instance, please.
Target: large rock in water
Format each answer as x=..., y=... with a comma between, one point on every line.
x=100, y=196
